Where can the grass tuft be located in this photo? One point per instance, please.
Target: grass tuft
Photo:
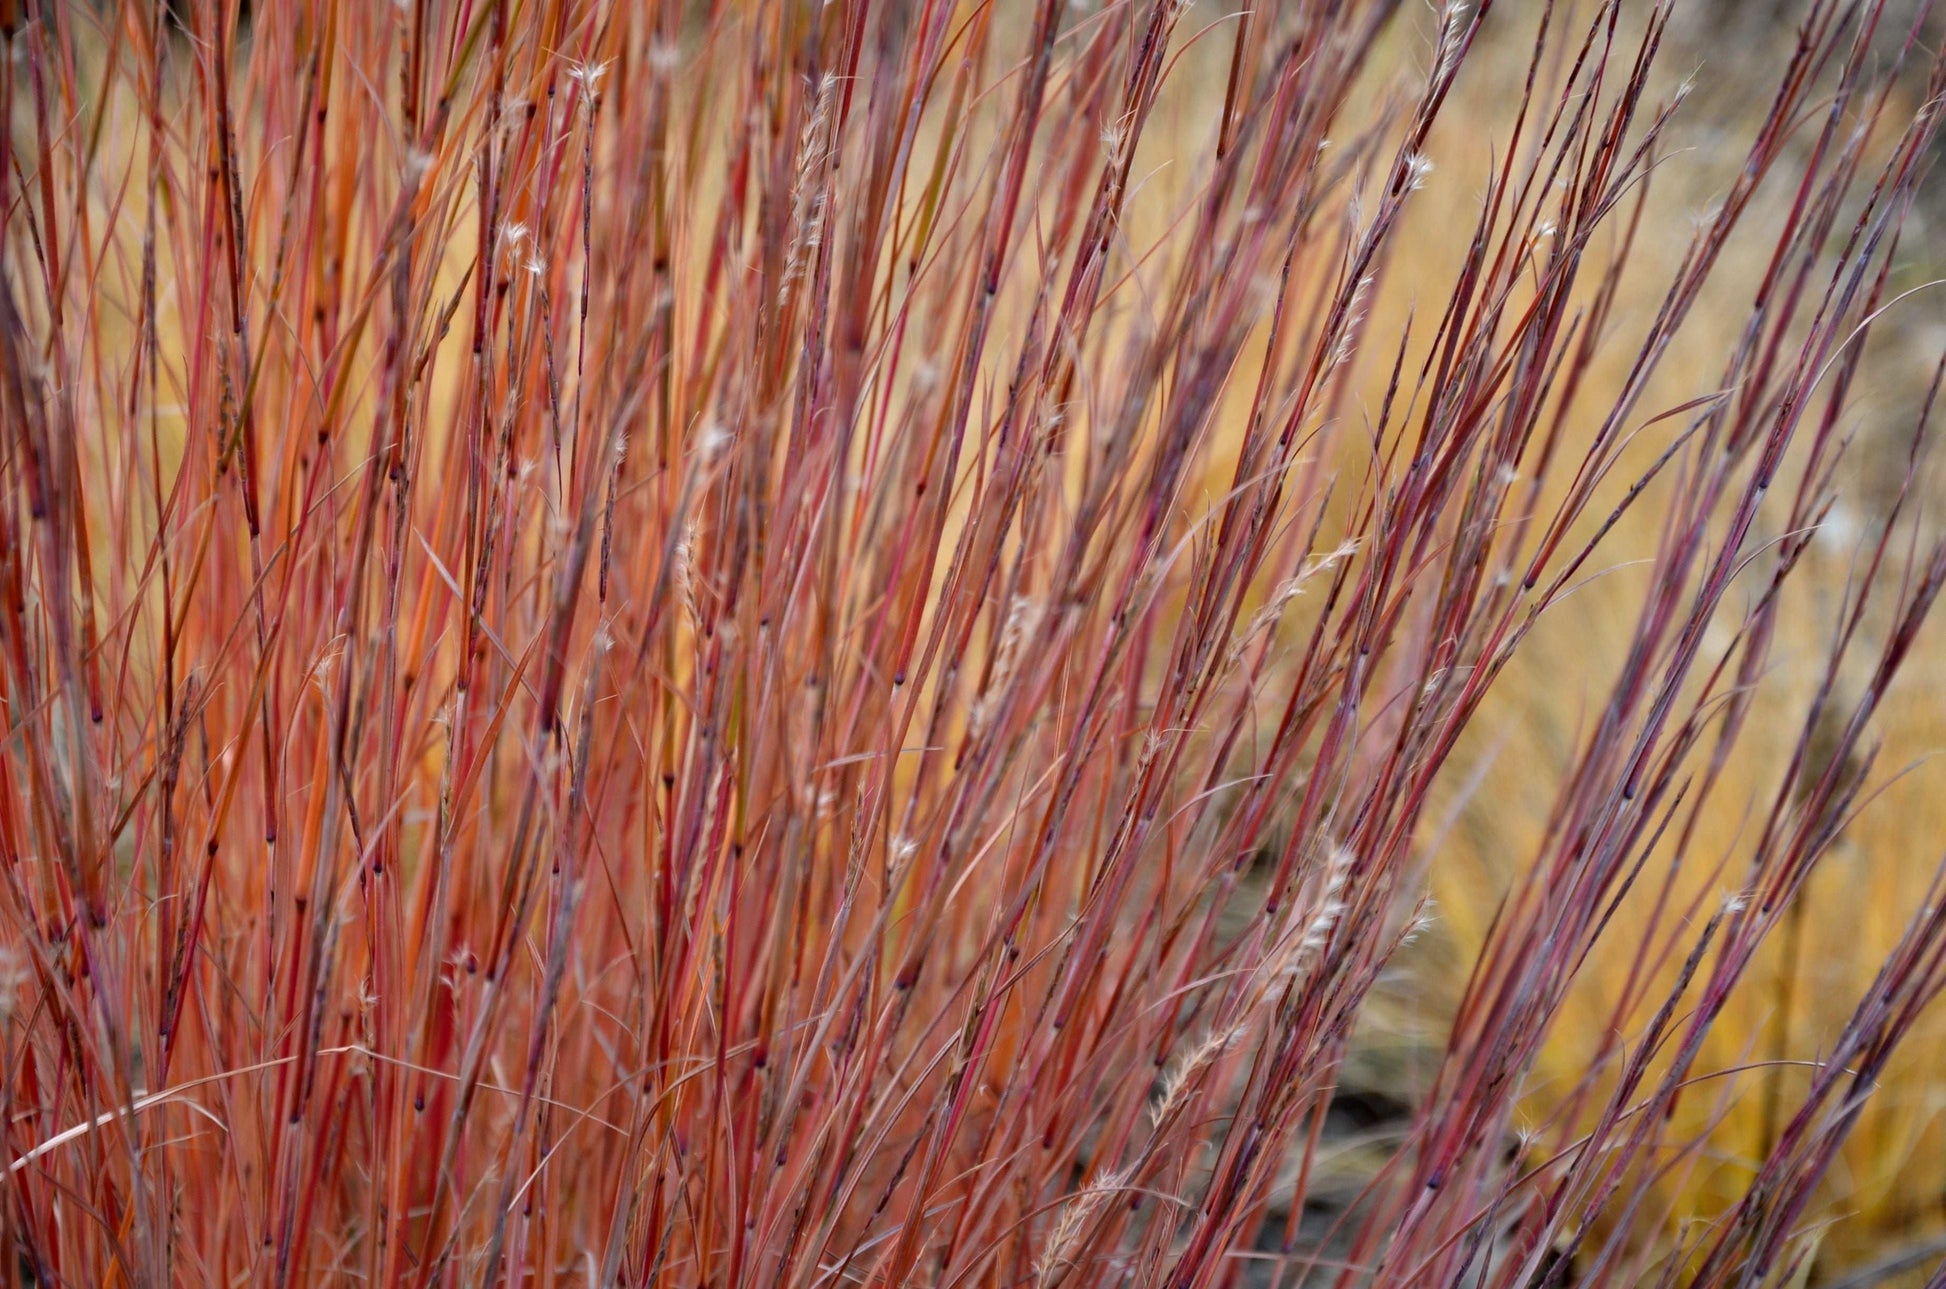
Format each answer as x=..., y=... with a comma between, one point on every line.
x=917, y=642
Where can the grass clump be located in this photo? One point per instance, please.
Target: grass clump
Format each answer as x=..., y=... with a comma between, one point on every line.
x=786, y=644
